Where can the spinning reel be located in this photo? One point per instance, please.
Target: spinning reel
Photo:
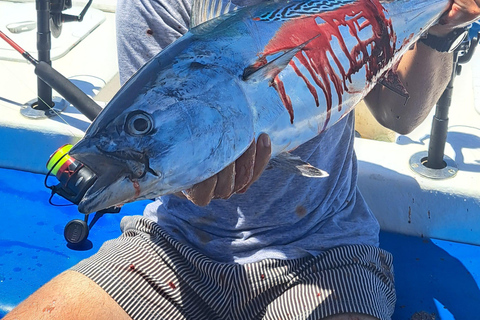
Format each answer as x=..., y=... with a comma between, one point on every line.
x=74, y=180
x=57, y=17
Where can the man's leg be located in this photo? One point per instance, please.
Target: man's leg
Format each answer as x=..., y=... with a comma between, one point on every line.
x=349, y=282
x=72, y=296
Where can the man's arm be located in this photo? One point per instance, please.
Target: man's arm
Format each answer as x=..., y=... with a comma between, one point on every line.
x=424, y=72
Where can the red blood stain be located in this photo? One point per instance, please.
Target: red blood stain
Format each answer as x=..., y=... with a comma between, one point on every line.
x=136, y=185
x=149, y=32
x=131, y=267
x=314, y=56
x=172, y=285
x=262, y=276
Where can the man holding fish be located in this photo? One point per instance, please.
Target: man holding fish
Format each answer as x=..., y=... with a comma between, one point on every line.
x=250, y=243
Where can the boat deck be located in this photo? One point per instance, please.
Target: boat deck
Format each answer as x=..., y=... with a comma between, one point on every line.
x=432, y=276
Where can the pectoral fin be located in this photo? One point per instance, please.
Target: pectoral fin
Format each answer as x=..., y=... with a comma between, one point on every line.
x=293, y=164
x=269, y=70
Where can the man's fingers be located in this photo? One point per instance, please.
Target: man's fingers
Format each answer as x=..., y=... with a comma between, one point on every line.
x=244, y=167
x=236, y=177
x=264, y=150
x=225, y=182
x=202, y=193
x=262, y=156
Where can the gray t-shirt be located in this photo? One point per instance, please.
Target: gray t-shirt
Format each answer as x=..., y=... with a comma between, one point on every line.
x=281, y=216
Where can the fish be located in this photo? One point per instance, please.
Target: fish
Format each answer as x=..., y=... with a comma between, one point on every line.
x=288, y=68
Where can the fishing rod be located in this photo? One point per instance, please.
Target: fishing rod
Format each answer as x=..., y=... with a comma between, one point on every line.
x=57, y=81
x=74, y=177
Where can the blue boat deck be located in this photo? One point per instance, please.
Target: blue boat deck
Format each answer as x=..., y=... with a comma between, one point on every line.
x=435, y=279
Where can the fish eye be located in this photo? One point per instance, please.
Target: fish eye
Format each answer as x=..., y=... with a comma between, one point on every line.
x=138, y=123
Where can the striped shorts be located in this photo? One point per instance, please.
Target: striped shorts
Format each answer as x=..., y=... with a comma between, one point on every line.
x=152, y=276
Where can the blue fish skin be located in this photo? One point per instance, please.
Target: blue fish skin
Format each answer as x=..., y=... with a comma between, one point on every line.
x=291, y=69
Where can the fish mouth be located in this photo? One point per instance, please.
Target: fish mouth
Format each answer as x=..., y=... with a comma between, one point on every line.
x=118, y=176
x=137, y=162
x=105, y=194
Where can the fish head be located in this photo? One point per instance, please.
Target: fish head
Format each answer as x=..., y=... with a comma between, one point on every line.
x=164, y=133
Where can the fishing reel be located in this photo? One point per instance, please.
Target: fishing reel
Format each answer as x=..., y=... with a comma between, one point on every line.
x=74, y=180
x=57, y=17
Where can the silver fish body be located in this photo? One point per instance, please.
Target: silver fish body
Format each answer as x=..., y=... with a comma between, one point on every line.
x=291, y=69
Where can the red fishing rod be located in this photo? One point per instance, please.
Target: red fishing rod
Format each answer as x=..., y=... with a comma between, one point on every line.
x=57, y=81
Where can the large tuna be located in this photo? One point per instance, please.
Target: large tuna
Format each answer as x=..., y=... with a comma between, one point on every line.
x=288, y=68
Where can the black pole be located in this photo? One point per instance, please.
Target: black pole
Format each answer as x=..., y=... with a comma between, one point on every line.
x=68, y=90
x=44, y=46
x=56, y=80
x=438, y=134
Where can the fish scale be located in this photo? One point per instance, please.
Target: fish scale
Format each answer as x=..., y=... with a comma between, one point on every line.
x=291, y=69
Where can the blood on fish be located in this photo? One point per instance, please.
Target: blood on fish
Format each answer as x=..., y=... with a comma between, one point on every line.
x=136, y=185
x=278, y=85
x=314, y=56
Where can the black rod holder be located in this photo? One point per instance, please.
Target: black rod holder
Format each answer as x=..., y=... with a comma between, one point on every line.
x=434, y=164
x=44, y=45
x=438, y=134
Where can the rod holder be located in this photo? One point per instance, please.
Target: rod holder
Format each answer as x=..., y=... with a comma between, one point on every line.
x=44, y=45
x=435, y=164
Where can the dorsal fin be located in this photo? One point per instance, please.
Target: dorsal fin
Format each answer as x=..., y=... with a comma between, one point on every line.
x=270, y=69
x=204, y=10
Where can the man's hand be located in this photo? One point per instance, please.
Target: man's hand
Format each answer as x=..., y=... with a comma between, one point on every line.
x=235, y=178
x=461, y=14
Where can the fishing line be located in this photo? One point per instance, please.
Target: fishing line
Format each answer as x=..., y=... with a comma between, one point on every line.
x=58, y=115
x=53, y=187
